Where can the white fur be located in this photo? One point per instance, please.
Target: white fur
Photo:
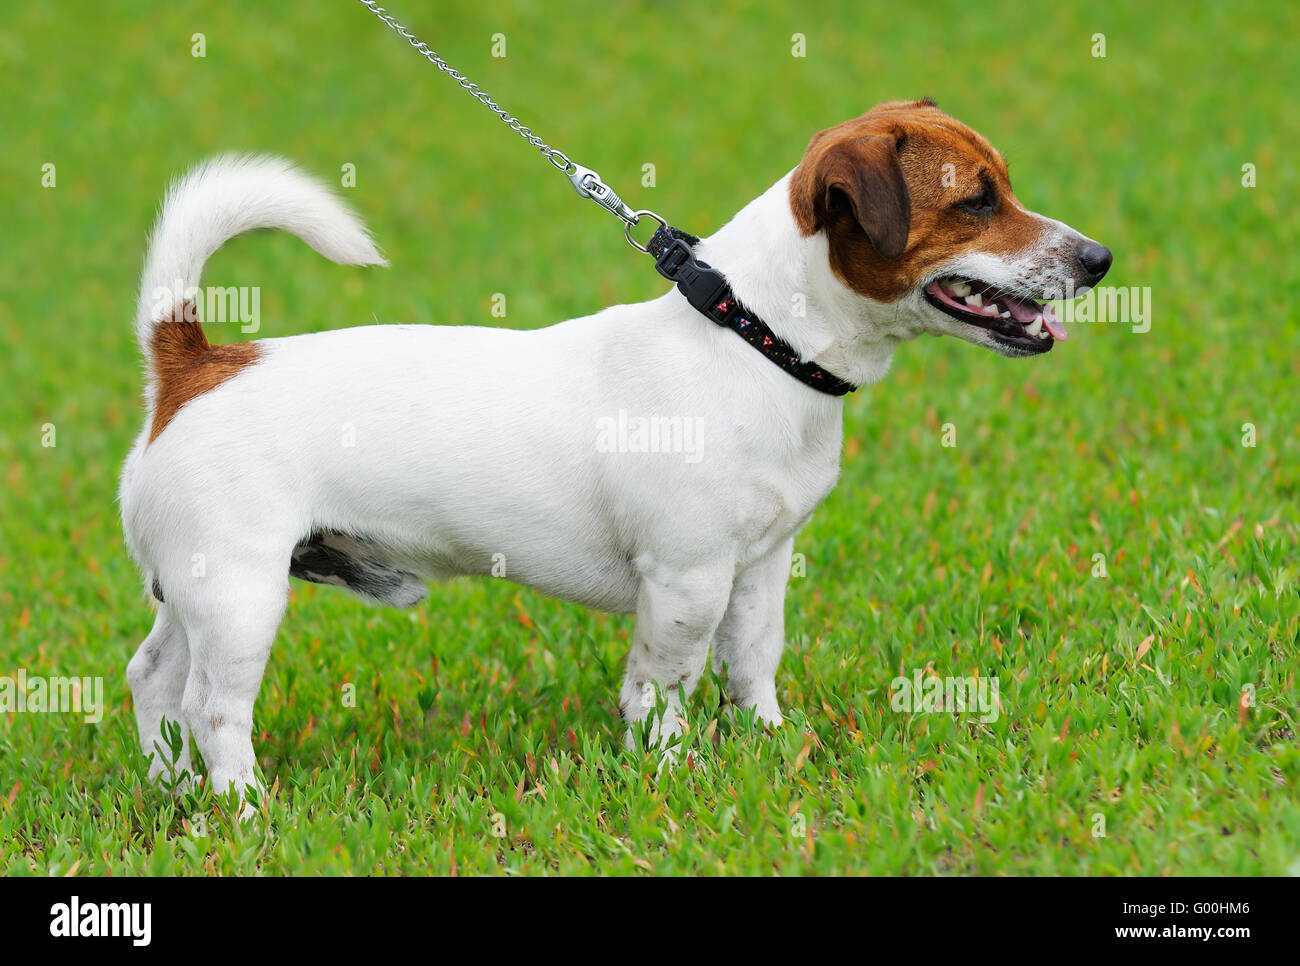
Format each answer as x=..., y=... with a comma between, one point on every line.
x=228, y=196
x=465, y=450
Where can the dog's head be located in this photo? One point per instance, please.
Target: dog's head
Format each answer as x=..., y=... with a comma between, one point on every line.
x=919, y=215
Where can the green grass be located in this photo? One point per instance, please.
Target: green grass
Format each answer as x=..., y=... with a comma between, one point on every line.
x=494, y=701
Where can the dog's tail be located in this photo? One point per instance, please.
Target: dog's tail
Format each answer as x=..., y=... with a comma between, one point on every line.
x=224, y=197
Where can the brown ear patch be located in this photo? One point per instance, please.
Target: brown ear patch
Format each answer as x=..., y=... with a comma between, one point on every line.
x=186, y=365
x=857, y=172
x=864, y=173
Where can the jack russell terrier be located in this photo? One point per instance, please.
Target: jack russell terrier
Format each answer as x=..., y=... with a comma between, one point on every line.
x=379, y=457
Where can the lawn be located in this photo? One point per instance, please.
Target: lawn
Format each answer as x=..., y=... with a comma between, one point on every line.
x=1148, y=695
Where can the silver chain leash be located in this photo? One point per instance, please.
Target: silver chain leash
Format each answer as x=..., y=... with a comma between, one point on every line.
x=585, y=181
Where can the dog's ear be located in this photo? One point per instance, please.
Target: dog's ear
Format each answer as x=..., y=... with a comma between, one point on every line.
x=861, y=175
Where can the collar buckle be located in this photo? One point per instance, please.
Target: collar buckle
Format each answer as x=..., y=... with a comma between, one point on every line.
x=705, y=288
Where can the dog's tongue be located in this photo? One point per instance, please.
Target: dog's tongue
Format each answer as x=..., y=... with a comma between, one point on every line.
x=1024, y=311
x=1053, y=324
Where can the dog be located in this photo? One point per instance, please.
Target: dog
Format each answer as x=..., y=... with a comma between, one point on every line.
x=381, y=457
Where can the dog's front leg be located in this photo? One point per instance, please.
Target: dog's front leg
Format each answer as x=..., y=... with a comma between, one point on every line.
x=676, y=617
x=751, y=636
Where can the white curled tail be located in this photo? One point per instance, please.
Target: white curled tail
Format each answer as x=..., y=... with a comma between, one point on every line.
x=229, y=195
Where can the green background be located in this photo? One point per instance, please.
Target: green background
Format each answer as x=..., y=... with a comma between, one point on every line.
x=491, y=700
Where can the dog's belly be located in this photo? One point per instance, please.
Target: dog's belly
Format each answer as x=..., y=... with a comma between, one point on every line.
x=604, y=582
x=393, y=576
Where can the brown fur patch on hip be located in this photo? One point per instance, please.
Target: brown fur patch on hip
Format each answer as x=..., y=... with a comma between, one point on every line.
x=186, y=365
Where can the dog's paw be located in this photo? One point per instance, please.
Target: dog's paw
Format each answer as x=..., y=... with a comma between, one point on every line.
x=766, y=713
x=770, y=718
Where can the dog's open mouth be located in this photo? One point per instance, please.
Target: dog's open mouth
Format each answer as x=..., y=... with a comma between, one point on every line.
x=1020, y=322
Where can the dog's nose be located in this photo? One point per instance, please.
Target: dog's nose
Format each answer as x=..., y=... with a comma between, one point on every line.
x=1095, y=260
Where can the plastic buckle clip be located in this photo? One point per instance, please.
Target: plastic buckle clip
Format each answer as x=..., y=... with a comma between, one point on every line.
x=670, y=261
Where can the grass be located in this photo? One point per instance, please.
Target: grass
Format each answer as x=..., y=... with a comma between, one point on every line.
x=484, y=736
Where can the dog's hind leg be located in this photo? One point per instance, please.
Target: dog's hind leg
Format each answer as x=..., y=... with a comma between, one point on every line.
x=677, y=613
x=157, y=676
x=751, y=637
x=231, y=625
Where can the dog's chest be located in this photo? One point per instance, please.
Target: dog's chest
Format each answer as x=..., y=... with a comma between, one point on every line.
x=773, y=501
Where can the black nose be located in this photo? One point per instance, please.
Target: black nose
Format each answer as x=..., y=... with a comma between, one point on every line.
x=1095, y=260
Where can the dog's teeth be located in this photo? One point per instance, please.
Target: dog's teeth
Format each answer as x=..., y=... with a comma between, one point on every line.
x=1044, y=334
x=976, y=300
x=1035, y=327
x=1006, y=315
x=958, y=288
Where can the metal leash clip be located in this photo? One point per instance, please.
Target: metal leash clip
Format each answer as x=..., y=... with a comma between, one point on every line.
x=590, y=185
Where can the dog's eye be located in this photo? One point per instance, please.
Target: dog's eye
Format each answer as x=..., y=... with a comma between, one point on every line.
x=981, y=204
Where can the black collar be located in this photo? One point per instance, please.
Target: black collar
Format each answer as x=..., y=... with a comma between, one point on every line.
x=707, y=290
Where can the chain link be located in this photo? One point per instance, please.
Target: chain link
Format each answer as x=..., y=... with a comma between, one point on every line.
x=556, y=158
x=586, y=182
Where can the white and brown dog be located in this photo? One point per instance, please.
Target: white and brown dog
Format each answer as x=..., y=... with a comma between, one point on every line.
x=383, y=456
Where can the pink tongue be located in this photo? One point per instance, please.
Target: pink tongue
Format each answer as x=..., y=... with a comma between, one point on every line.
x=1024, y=311
x=1020, y=311
x=1053, y=324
